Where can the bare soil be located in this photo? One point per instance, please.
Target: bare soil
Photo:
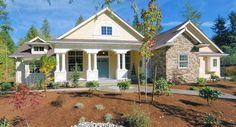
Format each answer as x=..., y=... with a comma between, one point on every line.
x=167, y=111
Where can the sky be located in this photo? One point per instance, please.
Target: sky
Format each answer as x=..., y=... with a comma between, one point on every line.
x=62, y=15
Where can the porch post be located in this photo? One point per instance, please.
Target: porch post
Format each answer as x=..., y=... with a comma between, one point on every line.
x=118, y=61
x=89, y=61
x=95, y=62
x=63, y=68
x=57, y=64
x=123, y=61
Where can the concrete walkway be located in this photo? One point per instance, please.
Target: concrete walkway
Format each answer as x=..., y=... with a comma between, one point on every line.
x=133, y=88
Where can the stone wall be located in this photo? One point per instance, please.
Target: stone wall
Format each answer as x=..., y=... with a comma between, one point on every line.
x=182, y=44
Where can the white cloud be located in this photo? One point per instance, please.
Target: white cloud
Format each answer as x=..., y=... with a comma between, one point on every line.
x=172, y=23
x=207, y=24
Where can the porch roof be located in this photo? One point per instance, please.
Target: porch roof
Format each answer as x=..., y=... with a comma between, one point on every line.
x=95, y=41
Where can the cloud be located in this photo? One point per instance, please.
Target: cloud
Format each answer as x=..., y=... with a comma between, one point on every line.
x=172, y=23
x=207, y=24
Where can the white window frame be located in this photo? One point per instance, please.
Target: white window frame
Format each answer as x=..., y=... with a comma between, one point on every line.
x=106, y=31
x=183, y=61
x=38, y=48
x=213, y=62
x=75, y=56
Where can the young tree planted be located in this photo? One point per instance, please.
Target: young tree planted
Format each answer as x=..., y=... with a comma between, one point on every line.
x=189, y=13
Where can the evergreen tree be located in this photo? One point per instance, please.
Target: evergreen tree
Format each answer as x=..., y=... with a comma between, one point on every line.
x=32, y=33
x=219, y=28
x=190, y=13
x=232, y=29
x=79, y=20
x=45, y=30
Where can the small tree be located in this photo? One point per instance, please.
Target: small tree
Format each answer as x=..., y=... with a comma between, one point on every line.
x=48, y=63
x=75, y=77
x=92, y=85
x=162, y=86
x=23, y=99
x=210, y=94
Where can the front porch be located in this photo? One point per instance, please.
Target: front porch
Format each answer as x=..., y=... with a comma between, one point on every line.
x=97, y=64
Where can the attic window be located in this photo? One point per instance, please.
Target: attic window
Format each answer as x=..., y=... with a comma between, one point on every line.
x=39, y=49
x=106, y=30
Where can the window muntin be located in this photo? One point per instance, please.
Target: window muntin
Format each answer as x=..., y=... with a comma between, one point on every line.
x=183, y=61
x=75, y=58
x=214, y=62
x=38, y=49
x=106, y=30
x=34, y=67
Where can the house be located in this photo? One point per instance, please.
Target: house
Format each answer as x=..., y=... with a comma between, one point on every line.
x=106, y=47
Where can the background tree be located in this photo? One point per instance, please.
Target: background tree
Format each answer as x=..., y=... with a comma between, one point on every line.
x=79, y=20
x=232, y=29
x=189, y=13
x=32, y=33
x=151, y=20
x=48, y=63
x=6, y=37
x=45, y=30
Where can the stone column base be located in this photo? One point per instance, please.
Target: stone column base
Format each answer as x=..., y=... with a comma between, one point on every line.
x=121, y=74
x=92, y=75
x=60, y=76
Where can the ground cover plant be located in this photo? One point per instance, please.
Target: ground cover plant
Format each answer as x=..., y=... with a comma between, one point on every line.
x=210, y=94
x=124, y=85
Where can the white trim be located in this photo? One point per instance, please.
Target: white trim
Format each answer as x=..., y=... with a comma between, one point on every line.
x=185, y=61
x=94, y=16
x=170, y=40
x=34, y=39
x=193, y=36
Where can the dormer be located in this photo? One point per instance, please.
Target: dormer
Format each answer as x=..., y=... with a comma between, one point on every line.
x=38, y=46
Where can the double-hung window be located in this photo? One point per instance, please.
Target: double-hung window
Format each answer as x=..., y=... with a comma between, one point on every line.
x=38, y=49
x=214, y=62
x=34, y=67
x=183, y=61
x=75, y=60
x=106, y=30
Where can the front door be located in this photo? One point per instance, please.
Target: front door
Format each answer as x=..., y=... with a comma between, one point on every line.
x=103, y=67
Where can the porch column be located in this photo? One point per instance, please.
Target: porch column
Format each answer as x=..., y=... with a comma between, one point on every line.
x=63, y=68
x=123, y=62
x=58, y=62
x=118, y=61
x=95, y=62
x=89, y=61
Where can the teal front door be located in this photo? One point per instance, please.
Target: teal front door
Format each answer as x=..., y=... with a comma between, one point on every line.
x=103, y=67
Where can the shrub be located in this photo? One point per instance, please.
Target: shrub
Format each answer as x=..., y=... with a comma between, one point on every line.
x=55, y=85
x=193, y=88
x=124, y=85
x=108, y=117
x=82, y=119
x=214, y=78
x=39, y=84
x=6, y=86
x=58, y=102
x=210, y=94
x=211, y=120
x=79, y=105
x=162, y=86
x=135, y=119
x=75, y=78
x=229, y=71
x=201, y=81
x=4, y=122
x=92, y=85
x=99, y=107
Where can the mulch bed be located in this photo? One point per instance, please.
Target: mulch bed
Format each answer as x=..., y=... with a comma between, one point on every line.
x=174, y=110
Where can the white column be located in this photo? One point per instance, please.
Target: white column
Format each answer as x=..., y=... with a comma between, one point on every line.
x=95, y=62
x=63, y=68
x=123, y=62
x=58, y=62
x=118, y=61
x=89, y=61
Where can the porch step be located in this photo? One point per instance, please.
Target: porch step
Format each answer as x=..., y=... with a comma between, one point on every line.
x=108, y=82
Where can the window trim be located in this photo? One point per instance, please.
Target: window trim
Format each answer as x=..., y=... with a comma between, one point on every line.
x=75, y=55
x=106, y=31
x=38, y=48
x=183, y=61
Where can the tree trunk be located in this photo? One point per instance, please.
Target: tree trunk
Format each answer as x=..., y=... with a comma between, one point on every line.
x=153, y=84
x=145, y=80
x=139, y=92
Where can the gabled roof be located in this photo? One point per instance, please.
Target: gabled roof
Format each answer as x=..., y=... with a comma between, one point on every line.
x=94, y=17
x=165, y=38
x=36, y=40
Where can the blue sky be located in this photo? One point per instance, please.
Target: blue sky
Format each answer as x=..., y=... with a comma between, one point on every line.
x=62, y=15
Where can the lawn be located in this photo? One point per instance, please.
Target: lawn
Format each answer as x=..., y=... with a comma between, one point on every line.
x=174, y=110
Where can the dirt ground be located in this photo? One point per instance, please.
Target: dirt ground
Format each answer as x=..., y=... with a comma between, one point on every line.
x=224, y=86
x=168, y=111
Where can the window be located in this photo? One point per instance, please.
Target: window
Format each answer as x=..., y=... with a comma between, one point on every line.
x=183, y=61
x=75, y=58
x=106, y=30
x=214, y=62
x=39, y=49
x=127, y=61
x=34, y=67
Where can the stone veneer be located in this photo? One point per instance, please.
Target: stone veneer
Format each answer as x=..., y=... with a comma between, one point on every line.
x=167, y=60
